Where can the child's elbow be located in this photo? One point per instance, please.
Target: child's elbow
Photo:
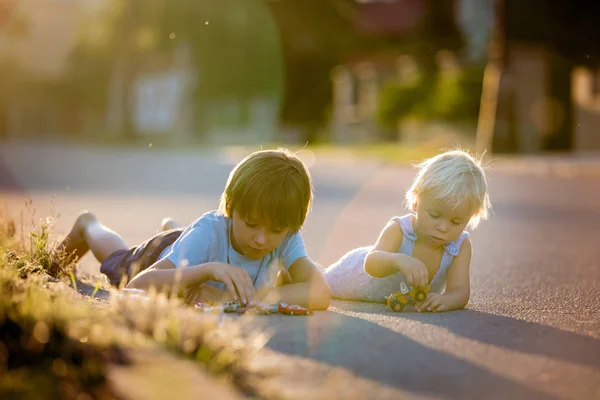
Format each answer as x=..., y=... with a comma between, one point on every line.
x=463, y=300
x=368, y=264
x=321, y=298
x=372, y=264
x=324, y=299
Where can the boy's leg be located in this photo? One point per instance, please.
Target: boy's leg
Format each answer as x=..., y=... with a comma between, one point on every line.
x=169, y=223
x=89, y=234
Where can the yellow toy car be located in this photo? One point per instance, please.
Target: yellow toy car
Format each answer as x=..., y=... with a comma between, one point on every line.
x=407, y=295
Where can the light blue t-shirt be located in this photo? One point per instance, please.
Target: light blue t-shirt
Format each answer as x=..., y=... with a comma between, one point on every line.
x=207, y=240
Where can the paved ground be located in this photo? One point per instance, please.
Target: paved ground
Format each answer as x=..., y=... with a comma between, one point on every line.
x=531, y=330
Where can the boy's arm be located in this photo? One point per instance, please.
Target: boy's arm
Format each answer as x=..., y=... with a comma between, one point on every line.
x=310, y=289
x=164, y=276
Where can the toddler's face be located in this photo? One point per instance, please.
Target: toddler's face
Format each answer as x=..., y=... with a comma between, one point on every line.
x=440, y=222
x=255, y=239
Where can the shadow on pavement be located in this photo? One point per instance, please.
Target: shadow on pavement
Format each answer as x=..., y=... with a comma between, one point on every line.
x=523, y=336
x=382, y=355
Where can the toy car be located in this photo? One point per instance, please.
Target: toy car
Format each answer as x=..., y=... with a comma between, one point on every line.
x=286, y=309
x=407, y=295
x=207, y=308
x=230, y=306
x=259, y=309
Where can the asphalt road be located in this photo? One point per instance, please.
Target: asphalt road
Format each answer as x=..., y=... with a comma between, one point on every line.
x=531, y=329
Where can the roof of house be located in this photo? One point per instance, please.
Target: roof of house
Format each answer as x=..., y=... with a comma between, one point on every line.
x=389, y=17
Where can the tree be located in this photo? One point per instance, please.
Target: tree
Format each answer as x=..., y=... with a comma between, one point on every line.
x=233, y=44
x=314, y=35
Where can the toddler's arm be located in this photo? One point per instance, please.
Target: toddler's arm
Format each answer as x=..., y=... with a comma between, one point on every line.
x=383, y=259
x=458, y=285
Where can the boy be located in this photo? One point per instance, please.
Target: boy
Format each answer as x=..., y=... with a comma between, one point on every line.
x=232, y=253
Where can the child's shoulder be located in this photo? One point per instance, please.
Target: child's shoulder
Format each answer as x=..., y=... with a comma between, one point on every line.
x=402, y=218
x=454, y=247
x=402, y=223
x=211, y=220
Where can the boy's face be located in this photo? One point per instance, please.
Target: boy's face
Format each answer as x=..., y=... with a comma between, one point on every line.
x=255, y=239
x=440, y=223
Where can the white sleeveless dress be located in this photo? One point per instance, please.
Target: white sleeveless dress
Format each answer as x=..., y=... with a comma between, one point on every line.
x=348, y=280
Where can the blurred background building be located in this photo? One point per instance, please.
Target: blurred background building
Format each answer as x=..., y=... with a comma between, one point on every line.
x=333, y=71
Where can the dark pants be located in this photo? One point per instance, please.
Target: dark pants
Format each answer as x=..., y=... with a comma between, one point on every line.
x=125, y=264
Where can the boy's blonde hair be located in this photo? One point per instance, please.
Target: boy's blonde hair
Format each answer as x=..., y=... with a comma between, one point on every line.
x=270, y=186
x=454, y=176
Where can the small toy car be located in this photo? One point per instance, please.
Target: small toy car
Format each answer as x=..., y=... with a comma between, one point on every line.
x=202, y=306
x=207, y=308
x=230, y=306
x=407, y=295
x=259, y=309
x=286, y=309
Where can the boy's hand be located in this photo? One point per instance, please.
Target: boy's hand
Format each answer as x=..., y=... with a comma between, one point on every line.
x=206, y=294
x=415, y=271
x=236, y=280
x=433, y=303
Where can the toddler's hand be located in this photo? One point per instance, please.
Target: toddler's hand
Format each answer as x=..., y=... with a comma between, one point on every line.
x=415, y=271
x=433, y=303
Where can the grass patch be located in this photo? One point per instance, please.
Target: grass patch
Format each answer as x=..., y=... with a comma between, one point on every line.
x=36, y=253
x=393, y=153
x=44, y=347
x=426, y=140
x=54, y=344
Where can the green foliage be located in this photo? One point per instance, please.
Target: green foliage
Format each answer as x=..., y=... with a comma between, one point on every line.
x=456, y=96
x=41, y=355
x=233, y=45
x=8, y=230
x=40, y=254
x=448, y=96
x=397, y=100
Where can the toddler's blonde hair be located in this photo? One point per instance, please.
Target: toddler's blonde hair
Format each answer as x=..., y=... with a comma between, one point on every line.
x=456, y=177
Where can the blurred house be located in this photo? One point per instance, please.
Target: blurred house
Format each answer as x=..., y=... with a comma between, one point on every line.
x=547, y=100
x=358, y=79
x=549, y=89
x=378, y=18
x=40, y=56
x=156, y=100
x=586, y=109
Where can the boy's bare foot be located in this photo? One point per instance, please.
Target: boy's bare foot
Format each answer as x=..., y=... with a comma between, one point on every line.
x=168, y=224
x=74, y=243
